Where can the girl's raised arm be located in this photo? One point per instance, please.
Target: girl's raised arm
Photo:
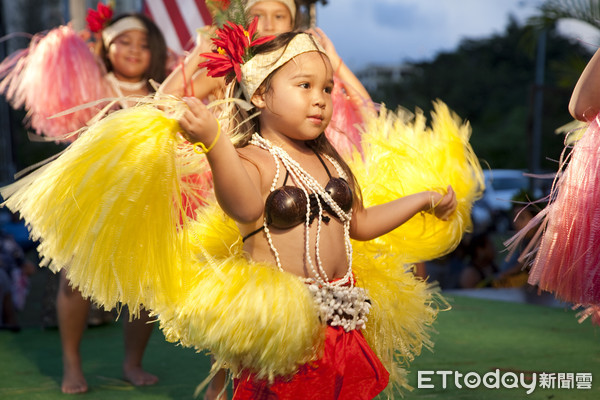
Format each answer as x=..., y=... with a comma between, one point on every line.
x=188, y=73
x=372, y=222
x=585, y=100
x=237, y=192
x=354, y=88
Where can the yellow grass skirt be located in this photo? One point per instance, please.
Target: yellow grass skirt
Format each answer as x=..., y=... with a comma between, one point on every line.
x=245, y=312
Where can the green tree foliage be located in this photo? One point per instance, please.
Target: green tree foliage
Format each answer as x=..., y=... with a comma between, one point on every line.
x=490, y=82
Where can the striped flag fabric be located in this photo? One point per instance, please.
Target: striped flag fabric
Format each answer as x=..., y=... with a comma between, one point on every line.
x=178, y=20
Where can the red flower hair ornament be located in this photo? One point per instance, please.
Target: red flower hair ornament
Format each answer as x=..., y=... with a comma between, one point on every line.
x=234, y=47
x=97, y=19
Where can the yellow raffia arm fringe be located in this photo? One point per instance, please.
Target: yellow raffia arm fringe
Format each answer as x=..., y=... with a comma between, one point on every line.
x=403, y=155
x=108, y=210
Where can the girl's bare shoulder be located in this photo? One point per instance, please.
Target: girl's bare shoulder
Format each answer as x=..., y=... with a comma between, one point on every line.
x=260, y=160
x=256, y=155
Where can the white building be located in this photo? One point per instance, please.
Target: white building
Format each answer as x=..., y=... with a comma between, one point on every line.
x=374, y=76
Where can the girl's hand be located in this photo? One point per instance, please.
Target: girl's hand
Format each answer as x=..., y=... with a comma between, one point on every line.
x=443, y=205
x=198, y=123
x=328, y=46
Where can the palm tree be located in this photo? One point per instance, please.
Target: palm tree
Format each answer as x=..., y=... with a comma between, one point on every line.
x=581, y=10
x=551, y=11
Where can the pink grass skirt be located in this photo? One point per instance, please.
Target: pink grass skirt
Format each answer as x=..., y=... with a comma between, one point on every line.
x=568, y=258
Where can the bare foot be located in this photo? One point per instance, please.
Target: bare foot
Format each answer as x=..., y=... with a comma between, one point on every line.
x=138, y=377
x=73, y=381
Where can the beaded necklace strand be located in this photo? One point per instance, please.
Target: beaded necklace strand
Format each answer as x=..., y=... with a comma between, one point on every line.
x=309, y=185
x=338, y=303
x=129, y=86
x=117, y=85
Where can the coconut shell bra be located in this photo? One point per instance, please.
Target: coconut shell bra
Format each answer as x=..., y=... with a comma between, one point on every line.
x=286, y=206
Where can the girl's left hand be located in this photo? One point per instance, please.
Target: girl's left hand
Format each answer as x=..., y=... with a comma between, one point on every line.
x=198, y=123
x=328, y=46
x=444, y=205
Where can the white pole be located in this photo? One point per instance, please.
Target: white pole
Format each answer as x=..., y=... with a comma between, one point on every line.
x=78, y=10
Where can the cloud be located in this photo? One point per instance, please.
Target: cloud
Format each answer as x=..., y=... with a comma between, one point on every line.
x=392, y=31
x=397, y=16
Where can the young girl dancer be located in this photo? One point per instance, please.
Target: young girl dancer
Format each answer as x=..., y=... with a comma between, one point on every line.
x=297, y=205
x=134, y=52
x=275, y=291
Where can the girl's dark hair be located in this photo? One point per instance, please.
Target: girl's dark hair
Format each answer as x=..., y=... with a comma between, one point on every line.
x=246, y=127
x=157, y=71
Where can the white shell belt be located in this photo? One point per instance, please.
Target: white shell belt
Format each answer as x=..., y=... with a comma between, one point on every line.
x=345, y=306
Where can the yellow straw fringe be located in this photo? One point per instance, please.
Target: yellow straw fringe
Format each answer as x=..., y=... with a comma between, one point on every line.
x=243, y=312
x=403, y=310
x=108, y=209
x=402, y=155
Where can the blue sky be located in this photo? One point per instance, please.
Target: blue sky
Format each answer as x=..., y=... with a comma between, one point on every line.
x=393, y=31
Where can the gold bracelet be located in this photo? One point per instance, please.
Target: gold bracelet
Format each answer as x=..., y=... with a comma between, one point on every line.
x=203, y=149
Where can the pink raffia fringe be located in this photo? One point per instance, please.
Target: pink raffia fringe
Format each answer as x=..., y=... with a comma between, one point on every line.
x=56, y=73
x=343, y=131
x=592, y=312
x=567, y=261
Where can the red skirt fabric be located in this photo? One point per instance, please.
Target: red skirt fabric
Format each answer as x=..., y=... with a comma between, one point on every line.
x=349, y=369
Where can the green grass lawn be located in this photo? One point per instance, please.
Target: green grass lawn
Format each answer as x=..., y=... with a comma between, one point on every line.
x=475, y=336
x=483, y=335
x=32, y=366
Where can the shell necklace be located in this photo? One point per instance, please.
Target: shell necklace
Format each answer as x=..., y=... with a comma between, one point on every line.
x=117, y=85
x=129, y=86
x=308, y=185
x=338, y=303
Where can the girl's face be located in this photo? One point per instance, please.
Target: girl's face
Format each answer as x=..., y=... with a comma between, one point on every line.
x=273, y=18
x=298, y=105
x=129, y=55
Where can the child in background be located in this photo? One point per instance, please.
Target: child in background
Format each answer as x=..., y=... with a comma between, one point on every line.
x=134, y=52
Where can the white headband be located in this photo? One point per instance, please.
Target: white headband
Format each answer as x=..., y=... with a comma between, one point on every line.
x=256, y=70
x=290, y=4
x=124, y=24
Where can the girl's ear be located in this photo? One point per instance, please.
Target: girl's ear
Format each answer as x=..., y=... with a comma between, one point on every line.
x=258, y=99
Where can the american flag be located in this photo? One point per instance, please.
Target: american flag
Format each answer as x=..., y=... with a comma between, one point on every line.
x=178, y=20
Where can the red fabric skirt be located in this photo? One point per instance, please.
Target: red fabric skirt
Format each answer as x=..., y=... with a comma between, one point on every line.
x=349, y=369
